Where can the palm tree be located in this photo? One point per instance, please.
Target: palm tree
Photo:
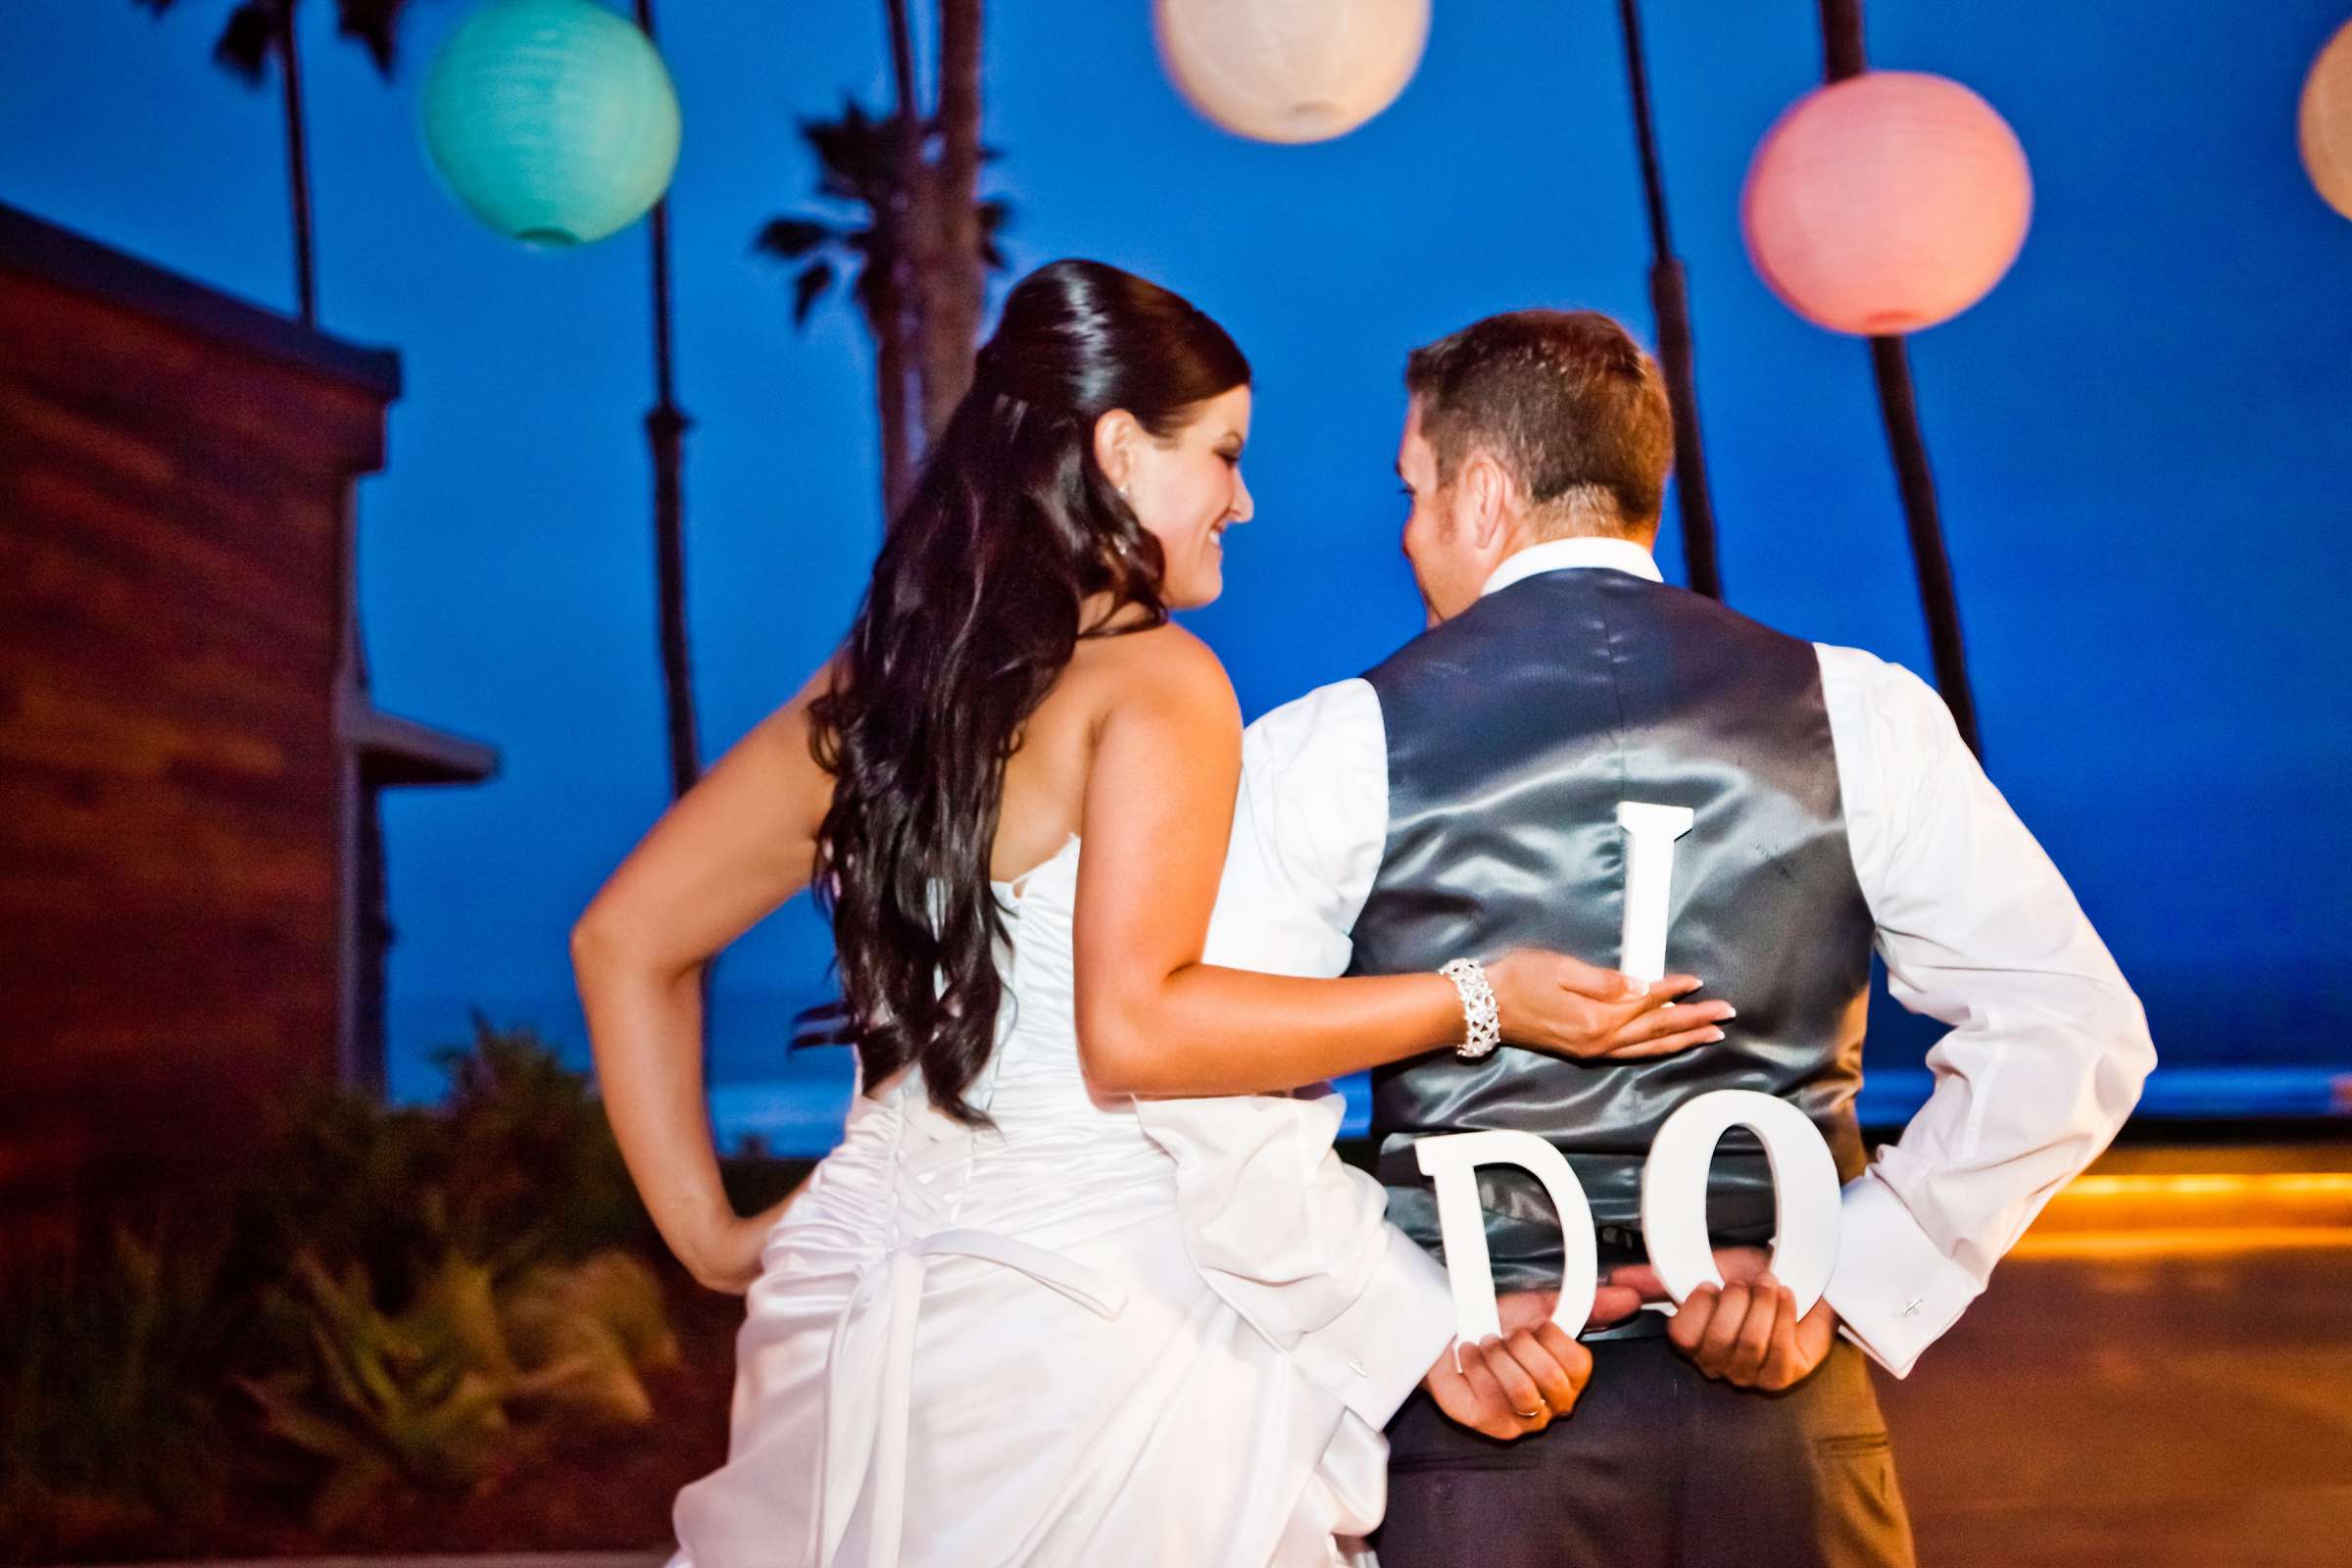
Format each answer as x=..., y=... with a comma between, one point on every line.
x=939, y=273
x=871, y=235
x=1842, y=56
x=858, y=164
x=258, y=30
x=1670, y=298
x=906, y=236
x=665, y=433
x=950, y=275
x=919, y=244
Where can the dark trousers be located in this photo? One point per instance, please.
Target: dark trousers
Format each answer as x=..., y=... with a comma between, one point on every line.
x=1657, y=1468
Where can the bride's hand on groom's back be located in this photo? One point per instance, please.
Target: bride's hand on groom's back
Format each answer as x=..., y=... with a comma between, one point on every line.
x=1563, y=1006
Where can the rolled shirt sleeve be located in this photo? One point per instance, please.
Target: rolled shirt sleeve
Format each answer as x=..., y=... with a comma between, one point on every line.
x=1289, y=1235
x=2048, y=1048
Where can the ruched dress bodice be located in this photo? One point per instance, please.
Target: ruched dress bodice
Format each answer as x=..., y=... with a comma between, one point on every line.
x=1059, y=1160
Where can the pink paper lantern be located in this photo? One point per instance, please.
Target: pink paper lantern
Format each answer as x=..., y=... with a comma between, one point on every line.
x=2325, y=122
x=1886, y=203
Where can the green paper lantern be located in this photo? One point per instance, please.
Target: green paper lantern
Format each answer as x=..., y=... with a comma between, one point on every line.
x=554, y=121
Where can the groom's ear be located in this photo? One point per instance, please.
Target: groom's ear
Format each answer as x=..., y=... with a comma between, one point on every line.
x=1483, y=505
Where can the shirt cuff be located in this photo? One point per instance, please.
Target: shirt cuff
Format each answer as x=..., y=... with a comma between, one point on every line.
x=1894, y=1287
x=1375, y=1354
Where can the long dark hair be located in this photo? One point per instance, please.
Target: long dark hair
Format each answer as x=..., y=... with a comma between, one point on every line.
x=972, y=614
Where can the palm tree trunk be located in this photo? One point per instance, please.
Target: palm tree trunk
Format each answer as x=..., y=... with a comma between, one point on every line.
x=898, y=232
x=665, y=430
x=1670, y=298
x=886, y=318
x=954, y=277
x=1842, y=56
x=298, y=167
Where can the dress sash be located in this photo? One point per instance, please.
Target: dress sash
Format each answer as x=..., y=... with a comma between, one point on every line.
x=870, y=1372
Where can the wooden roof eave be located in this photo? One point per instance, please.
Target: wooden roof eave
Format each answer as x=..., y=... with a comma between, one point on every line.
x=400, y=750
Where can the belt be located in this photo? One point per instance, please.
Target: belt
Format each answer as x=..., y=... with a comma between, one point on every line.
x=870, y=1375
x=1612, y=1244
x=1642, y=1325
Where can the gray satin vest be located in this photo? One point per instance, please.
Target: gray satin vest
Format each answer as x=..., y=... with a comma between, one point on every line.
x=1514, y=732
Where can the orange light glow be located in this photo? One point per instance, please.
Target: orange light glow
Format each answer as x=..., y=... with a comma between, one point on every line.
x=2202, y=1241
x=2283, y=1184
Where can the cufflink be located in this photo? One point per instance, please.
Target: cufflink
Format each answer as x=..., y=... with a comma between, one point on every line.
x=1911, y=1307
x=1357, y=1367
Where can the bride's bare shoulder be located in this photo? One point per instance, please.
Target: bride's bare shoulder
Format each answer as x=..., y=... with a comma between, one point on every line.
x=1164, y=664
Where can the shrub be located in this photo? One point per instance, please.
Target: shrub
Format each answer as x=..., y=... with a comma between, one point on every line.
x=405, y=1298
x=452, y=1391
x=108, y=1422
x=518, y=1169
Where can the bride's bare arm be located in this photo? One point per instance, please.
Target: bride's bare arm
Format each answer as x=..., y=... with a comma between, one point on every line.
x=1154, y=1019
x=731, y=850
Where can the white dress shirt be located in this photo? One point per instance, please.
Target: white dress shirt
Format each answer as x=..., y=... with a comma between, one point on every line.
x=2047, y=1047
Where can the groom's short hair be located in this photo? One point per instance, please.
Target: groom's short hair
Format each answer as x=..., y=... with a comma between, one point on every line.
x=1565, y=400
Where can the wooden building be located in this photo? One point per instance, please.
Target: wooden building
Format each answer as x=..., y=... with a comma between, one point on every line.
x=190, y=869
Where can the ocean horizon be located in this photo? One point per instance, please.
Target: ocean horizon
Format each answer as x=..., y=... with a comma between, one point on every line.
x=768, y=1099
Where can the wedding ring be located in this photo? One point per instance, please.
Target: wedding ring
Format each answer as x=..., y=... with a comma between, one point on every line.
x=1527, y=1415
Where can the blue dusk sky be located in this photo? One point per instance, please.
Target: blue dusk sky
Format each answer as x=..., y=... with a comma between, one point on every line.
x=2142, y=438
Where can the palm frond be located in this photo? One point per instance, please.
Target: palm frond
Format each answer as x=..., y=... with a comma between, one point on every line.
x=250, y=38
x=860, y=162
x=856, y=155
x=828, y=1023
x=871, y=289
x=807, y=288
x=994, y=218
x=791, y=239
x=374, y=25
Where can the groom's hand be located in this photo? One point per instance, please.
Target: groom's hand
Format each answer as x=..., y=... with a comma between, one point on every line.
x=1517, y=1382
x=1745, y=1331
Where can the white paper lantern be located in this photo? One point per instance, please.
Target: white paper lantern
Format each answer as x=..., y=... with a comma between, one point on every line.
x=1291, y=70
x=2327, y=122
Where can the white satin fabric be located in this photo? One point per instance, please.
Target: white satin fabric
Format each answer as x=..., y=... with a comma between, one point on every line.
x=976, y=1347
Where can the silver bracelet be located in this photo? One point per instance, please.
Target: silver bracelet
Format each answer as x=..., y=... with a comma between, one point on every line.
x=1482, y=1027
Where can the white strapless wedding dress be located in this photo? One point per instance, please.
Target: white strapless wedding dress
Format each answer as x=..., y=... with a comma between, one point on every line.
x=969, y=1348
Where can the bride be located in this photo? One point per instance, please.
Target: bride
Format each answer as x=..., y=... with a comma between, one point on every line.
x=975, y=1335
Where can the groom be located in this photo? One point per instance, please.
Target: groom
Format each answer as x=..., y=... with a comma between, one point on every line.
x=1462, y=799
